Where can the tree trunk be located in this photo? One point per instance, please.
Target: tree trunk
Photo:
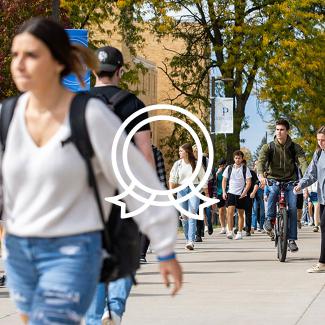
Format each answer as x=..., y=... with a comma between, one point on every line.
x=232, y=143
x=233, y=140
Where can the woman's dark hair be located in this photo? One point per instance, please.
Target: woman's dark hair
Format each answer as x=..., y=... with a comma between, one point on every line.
x=188, y=149
x=321, y=130
x=73, y=57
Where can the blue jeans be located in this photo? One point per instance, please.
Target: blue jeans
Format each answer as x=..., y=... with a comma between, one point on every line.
x=291, y=200
x=118, y=292
x=258, y=207
x=191, y=205
x=50, y=279
x=209, y=215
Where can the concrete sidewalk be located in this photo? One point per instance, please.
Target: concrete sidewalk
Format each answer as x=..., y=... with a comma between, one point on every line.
x=226, y=281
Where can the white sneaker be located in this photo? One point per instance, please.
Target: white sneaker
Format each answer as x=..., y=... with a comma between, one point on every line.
x=318, y=268
x=206, y=229
x=150, y=250
x=115, y=320
x=223, y=231
x=230, y=235
x=189, y=246
x=238, y=235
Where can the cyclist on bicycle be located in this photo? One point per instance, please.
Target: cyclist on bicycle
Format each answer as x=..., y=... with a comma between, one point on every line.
x=278, y=161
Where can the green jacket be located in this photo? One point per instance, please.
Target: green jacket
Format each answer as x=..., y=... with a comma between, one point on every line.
x=282, y=167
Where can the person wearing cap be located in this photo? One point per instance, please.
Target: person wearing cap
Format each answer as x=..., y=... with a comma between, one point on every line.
x=108, y=78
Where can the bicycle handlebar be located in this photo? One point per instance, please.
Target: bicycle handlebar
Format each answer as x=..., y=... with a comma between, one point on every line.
x=279, y=183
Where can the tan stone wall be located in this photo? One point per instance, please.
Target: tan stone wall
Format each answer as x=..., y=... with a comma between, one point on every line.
x=157, y=51
x=154, y=86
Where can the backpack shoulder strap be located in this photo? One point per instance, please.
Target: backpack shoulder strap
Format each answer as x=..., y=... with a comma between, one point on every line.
x=7, y=112
x=229, y=171
x=79, y=131
x=80, y=138
x=244, y=173
x=118, y=98
x=319, y=152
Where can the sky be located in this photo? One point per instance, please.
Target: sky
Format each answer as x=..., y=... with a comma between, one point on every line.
x=257, y=128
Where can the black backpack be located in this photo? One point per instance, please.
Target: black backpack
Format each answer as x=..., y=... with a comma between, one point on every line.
x=120, y=236
x=230, y=171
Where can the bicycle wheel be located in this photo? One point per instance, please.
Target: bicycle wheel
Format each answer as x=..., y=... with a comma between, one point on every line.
x=282, y=230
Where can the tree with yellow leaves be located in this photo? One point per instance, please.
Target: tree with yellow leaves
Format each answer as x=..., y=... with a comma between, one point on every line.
x=237, y=38
x=293, y=82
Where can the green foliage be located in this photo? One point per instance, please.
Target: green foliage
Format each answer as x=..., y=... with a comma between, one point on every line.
x=282, y=41
x=235, y=38
x=293, y=82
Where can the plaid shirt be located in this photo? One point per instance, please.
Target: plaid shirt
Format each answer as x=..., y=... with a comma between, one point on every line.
x=160, y=165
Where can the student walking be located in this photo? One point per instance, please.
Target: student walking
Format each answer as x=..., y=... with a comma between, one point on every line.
x=205, y=225
x=218, y=194
x=124, y=104
x=239, y=178
x=180, y=173
x=52, y=220
x=258, y=214
x=316, y=172
x=250, y=200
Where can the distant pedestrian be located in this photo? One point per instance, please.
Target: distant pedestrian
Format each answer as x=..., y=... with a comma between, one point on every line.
x=205, y=225
x=239, y=178
x=316, y=172
x=180, y=173
x=250, y=200
x=258, y=215
x=218, y=194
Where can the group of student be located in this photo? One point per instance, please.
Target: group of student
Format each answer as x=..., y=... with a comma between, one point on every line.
x=249, y=197
x=53, y=224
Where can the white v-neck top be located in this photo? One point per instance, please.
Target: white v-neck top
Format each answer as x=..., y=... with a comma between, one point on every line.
x=46, y=191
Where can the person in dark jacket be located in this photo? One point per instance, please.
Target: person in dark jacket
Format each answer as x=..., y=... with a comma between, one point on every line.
x=279, y=164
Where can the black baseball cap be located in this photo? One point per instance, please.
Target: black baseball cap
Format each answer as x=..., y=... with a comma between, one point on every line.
x=222, y=161
x=110, y=58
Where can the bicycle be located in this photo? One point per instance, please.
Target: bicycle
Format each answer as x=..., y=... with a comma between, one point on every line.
x=281, y=220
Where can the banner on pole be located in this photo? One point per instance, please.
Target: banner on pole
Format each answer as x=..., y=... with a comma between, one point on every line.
x=224, y=117
x=77, y=36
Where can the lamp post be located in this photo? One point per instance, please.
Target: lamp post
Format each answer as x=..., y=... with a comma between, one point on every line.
x=56, y=10
x=213, y=105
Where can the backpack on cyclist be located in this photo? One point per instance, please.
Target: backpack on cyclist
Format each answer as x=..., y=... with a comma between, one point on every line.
x=120, y=236
x=293, y=156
